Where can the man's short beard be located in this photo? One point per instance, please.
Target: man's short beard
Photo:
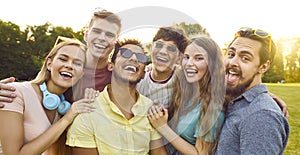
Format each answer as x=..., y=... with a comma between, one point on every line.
x=234, y=92
x=131, y=83
x=135, y=82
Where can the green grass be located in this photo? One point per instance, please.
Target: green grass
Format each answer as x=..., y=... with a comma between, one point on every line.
x=290, y=93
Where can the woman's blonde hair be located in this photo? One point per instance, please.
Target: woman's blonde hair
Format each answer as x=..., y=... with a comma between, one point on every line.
x=44, y=74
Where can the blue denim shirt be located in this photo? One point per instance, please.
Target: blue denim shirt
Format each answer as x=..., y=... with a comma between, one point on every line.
x=254, y=124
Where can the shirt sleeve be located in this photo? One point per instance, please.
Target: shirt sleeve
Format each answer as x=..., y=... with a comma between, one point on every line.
x=263, y=132
x=18, y=103
x=81, y=133
x=154, y=134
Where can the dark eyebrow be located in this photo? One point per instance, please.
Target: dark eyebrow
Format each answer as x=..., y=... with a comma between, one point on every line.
x=241, y=52
x=247, y=52
x=64, y=55
x=232, y=48
x=96, y=29
x=76, y=59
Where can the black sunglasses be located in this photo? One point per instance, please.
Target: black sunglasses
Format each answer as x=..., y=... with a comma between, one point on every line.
x=127, y=53
x=160, y=45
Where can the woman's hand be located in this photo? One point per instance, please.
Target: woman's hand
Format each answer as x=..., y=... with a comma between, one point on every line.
x=90, y=93
x=281, y=104
x=78, y=107
x=158, y=116
x=6, y=91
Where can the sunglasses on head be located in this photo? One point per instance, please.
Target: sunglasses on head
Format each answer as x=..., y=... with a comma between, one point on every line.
x=261, y=34
x=99, y=9
x=160, y=45
x=60, y=39
x=127, y=53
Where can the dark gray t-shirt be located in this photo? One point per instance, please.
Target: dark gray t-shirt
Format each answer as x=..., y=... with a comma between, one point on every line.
x=254, y=124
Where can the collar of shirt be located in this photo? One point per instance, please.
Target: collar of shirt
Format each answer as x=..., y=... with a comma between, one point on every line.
x=139, y=108
x=250, y=95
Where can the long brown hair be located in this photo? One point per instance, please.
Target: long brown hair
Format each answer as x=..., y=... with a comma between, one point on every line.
x=208, y=91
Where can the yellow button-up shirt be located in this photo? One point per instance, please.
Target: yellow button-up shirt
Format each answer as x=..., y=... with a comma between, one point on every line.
x=109, y=130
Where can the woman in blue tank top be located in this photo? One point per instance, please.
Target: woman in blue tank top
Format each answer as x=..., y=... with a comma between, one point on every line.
x=194, y=119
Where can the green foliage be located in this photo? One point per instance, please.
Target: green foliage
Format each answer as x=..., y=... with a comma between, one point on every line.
x=14, y=52
x=193, y=29
x=289, y=93
x=23, y=52
x=286, y=65
x=276, y=71
x=291, y=48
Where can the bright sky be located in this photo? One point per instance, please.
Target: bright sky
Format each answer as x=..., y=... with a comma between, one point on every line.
x=141, y=18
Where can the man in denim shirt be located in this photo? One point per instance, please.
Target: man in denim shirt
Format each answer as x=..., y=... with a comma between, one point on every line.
x=254, y=123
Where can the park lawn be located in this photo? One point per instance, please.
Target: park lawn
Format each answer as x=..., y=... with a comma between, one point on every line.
x=290, y=93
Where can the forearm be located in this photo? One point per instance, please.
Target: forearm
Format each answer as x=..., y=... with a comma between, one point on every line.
x=52, y=134
x=157, y=147
x=180, y=144
x=84, y=151
x=45, y=140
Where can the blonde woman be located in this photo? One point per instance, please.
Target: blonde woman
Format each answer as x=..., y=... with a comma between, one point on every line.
x=39, y=114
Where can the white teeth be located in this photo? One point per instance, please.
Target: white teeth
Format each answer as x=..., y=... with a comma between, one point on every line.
x=99, y=46
x=232, y=72
x=191, y=71
x=161, y=59
x=66, y=74
x=130, y=68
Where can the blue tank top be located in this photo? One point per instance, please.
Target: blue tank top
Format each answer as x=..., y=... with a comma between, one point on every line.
x=188, y=127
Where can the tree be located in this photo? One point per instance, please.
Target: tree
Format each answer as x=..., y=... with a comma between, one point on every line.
x=22, y=53
x=292, y=60
x=13, y=51
x=276, y=71
x=42, y=38
x=192, y=29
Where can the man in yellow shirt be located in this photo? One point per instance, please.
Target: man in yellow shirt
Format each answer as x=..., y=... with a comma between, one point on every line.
x=120, y=124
